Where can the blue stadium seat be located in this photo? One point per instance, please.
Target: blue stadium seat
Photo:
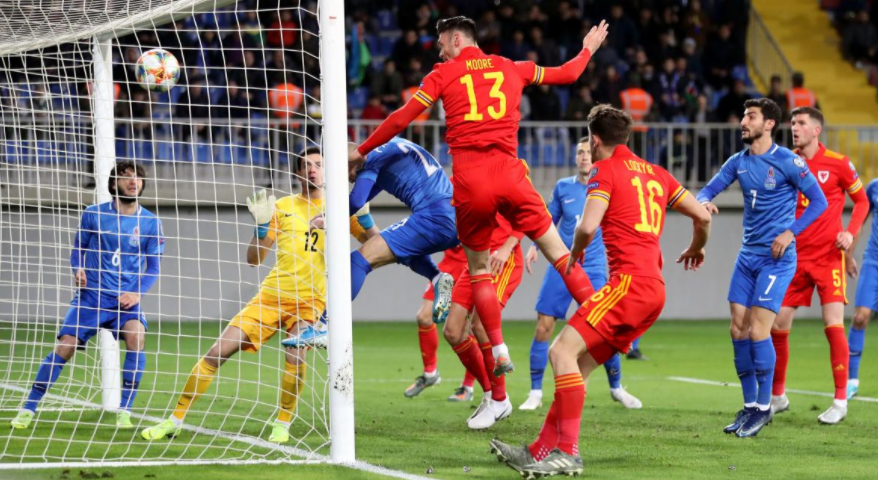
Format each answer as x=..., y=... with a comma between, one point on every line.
x=358, y=98
x=563, y=97
x=386, y=41
x=224, y=154
x=386, y=20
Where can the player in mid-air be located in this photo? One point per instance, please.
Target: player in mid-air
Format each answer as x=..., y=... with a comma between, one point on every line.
x=553, y=301
x=115, y=260
x=771, y=178
x=820, y=250
x=474, y=349
x=411, y=174
x=866, y=301
x=291, y=297
x=481, y=95
x=453, y=263
x=627, y=199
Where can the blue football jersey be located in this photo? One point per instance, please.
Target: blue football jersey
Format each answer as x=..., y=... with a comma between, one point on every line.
x=770, y=184
x=871, y=253
x=408, y=172
x=112, y=248
x=566, y=206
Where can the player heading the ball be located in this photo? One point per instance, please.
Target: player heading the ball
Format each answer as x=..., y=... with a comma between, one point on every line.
x=481, y=95
x=115, y=260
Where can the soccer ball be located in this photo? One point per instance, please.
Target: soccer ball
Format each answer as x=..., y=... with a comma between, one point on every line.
x=158, y=70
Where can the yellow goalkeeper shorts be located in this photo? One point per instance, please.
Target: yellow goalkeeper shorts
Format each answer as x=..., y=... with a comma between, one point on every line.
x=265, y=314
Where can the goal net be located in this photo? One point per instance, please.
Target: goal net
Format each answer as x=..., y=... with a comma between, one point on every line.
x=73, y=102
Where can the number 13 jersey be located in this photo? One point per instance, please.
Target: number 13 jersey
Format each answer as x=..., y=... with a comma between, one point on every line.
x=481, y=95
x=300, y=269
x=638, y=194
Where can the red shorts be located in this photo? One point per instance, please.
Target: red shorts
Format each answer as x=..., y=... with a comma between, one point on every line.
x=449, y=265
x=496, y=182
x=618, y=314
x=506, y=282
x=827, y=275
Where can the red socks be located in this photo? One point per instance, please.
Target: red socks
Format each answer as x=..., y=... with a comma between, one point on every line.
x=781, y=341
x=839, y=356
x=577, y=281
x=498, y=384
x=561, y=427
x=429, y=340
x=471, y=358
x=488, y=307
x=548, y=438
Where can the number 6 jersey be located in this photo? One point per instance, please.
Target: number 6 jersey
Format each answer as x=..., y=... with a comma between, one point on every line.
x=638, y=194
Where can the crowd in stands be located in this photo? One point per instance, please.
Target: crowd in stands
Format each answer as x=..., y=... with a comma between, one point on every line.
x=857, y=25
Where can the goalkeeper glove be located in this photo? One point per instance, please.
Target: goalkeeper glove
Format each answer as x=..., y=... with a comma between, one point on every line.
x=261, y=206
x=365, y=218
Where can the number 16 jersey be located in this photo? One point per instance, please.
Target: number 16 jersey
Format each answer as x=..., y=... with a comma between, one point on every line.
x=638, y=194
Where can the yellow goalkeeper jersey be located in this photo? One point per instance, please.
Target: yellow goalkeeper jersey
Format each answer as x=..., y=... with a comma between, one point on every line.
x=300, y=270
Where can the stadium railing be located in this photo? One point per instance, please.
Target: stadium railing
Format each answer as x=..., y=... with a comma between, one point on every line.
x=198, y=161
x=764, y=54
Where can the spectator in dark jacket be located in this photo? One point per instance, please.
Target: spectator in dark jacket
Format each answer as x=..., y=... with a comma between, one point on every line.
x=623, y=35
x=860, y=40
x=406, y=48
x=720, y=57
x=732, y=104
x=387, y=85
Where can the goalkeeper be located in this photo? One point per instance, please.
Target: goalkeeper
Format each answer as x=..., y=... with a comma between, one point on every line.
x=114, y=242
x=292, y=296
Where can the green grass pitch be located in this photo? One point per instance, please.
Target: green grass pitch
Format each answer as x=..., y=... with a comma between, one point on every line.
x=676, y=435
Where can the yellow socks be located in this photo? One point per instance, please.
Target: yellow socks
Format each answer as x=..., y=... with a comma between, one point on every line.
x=290, y=386
x=199, y=380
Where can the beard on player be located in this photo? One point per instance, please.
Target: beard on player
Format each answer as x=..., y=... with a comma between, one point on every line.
x=751, y=134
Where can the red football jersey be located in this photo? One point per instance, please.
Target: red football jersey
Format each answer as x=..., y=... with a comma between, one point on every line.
x=836, y=175
x=481, y=95
x=638, y=194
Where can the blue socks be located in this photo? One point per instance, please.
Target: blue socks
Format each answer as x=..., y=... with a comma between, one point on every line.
x=360, y=268
x=746, y=370
x=132, y=372
x=635, y=344
x=613, y=366
x=539, y=357
x=424, y=266
x=764, y=358
x=48, y=373
x=856, y=342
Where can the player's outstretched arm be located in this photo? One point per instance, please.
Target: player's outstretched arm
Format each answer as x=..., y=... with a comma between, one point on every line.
x=723, y=178
x=261, y=206
x=572, y=70
x=693, y=257
x=389, y=128
x=592, y=216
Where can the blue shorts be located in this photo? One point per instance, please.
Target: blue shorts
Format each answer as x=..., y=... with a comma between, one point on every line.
x=90, y=311
x=425, y=232
x=554, y=298
x=761, y=281
x=867, y=287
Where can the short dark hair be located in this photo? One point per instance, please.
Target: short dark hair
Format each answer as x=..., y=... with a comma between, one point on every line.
x=810, y=111
x=461, y=24
x=769, y=109
x=582, y=140
x=314, y=150
x=798, y=79
x=776, y=78
x=125, y=166
x=612, y=125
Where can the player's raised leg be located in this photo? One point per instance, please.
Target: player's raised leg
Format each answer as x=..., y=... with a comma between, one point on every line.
x=428, y=339
x=134, y=334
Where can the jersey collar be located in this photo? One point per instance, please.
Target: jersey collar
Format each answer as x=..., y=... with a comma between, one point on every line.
x=622, y=151
x=113, y=207
x=771, y=151
x=469, y=52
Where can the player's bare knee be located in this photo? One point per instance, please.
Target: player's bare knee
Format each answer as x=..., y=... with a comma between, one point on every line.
x=861, y=319
x=545, y=328
x=424, y=318
x=66, y=347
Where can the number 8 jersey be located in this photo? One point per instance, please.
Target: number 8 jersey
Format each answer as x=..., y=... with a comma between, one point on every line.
x=481, y=95
x=638, y=194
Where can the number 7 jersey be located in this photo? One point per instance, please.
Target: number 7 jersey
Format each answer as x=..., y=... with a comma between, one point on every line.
x=481, y=95
x=638, y=194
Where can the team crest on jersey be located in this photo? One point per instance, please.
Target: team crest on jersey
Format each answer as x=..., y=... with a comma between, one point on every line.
x=593, y=172
x=823, y=176
x=134, y=240
x=770, y=181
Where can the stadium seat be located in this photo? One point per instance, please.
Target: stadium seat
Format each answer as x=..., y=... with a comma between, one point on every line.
x=357, y=99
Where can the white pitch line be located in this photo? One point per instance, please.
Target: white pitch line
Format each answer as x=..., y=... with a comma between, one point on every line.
x=310, y=457
x=789, y=390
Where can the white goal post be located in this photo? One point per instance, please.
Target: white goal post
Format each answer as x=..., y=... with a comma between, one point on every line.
x=70, y=109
